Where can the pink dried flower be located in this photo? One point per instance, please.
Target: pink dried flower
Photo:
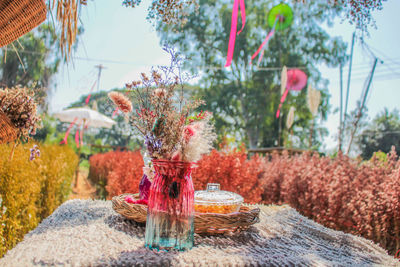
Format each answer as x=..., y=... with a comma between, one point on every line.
x=188, y=132
x=130, y=199
x=121, y=101
x=160, y=92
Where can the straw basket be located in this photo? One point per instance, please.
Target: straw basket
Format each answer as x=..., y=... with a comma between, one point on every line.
x=204, y=223
x=18, y=17
x=8, y=132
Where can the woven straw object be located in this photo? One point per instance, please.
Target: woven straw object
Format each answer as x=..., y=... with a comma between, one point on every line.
x=8, y=132
x=204, y=223
x=18, y=17
x=136, y=212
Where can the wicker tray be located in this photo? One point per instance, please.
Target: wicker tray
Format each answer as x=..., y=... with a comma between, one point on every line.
x=204, y=223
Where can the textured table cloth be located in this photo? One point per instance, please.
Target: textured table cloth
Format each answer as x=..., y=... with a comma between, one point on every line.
x=90, y=233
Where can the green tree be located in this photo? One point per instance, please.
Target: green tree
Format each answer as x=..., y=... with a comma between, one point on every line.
x=38, y=59
x=381, y=134
x=244, y=98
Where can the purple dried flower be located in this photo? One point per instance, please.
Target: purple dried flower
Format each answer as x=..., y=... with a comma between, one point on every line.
x=35, y=152
x=152, y=144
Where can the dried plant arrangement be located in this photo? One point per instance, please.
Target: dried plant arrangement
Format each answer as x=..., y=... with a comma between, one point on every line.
x=358, y=12
x=67, y=15
x=166, y=120
x=167, y=11
x=19, y=106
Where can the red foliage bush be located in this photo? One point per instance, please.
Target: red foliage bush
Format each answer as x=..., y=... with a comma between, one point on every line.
x=233, y=171
x=118, y=172
x=126, y=173
x=100, y=166
x=341, y=193
x=362, y=198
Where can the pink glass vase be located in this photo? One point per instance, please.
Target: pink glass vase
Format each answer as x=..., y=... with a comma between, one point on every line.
x=170, y=214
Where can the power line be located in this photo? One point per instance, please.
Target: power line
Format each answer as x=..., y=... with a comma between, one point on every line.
x=79, y=58
x=362, y=105
x=349, y=78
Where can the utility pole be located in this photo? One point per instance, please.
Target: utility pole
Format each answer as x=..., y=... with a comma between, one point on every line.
x=364, y=98
x=341, y=108
x=349, y=79
x=100, y=67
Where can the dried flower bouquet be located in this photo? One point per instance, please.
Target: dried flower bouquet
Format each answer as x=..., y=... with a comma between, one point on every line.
x=164, y=117
x=18, y=104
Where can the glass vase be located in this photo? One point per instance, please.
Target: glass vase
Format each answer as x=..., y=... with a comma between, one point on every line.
x=170, y=214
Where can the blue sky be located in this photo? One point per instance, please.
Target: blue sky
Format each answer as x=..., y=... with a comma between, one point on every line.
x=126, y=44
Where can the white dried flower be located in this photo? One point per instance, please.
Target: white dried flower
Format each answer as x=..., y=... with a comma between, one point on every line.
x=283, y=79
x=201, y=142
x=313, y=99
x=290, y=117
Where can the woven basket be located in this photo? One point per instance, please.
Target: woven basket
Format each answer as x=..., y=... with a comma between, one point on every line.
x=204, y=223
x=8, y=132
x=18, y=17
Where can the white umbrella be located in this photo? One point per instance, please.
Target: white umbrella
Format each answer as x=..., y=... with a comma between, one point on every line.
x=85, y=117
x=90, y=117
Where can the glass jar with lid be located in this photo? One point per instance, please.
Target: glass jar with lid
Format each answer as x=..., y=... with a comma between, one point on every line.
x=214, y=200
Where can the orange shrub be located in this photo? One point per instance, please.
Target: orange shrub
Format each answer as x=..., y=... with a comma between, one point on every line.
x=116, y=172
x=340, y=193
x=125, y=174
x=362, y=198
x=233, y=171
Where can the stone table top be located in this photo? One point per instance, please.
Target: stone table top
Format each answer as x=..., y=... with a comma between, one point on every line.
x=91, y=233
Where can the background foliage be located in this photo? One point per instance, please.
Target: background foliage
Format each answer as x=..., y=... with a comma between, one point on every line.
x=116, y=172
x=243, y=98
x=35, y=63
x=380, y=134
x=357, y=197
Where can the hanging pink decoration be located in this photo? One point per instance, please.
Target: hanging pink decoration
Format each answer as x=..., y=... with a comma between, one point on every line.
x=84, y=126
x=90, y=93
x=296, y=81
x=232, y=36
x=115, y=112
x=269, y=35
x=282, y=100
x=64, y=141
x=77, y=138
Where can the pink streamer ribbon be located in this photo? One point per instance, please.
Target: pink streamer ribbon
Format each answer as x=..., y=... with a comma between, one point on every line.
x=232, y=36
x=85, y=126
x=243, y=15
x=77, y=138
x=90, y=94
x=269, y=35
x=115, y=112
x=64, y=141
x=278, y=112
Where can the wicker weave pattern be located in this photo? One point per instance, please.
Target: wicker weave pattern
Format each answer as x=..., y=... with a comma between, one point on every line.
x=208, y=223
x=136, y=212
x=8, y=132
x=18, y=17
